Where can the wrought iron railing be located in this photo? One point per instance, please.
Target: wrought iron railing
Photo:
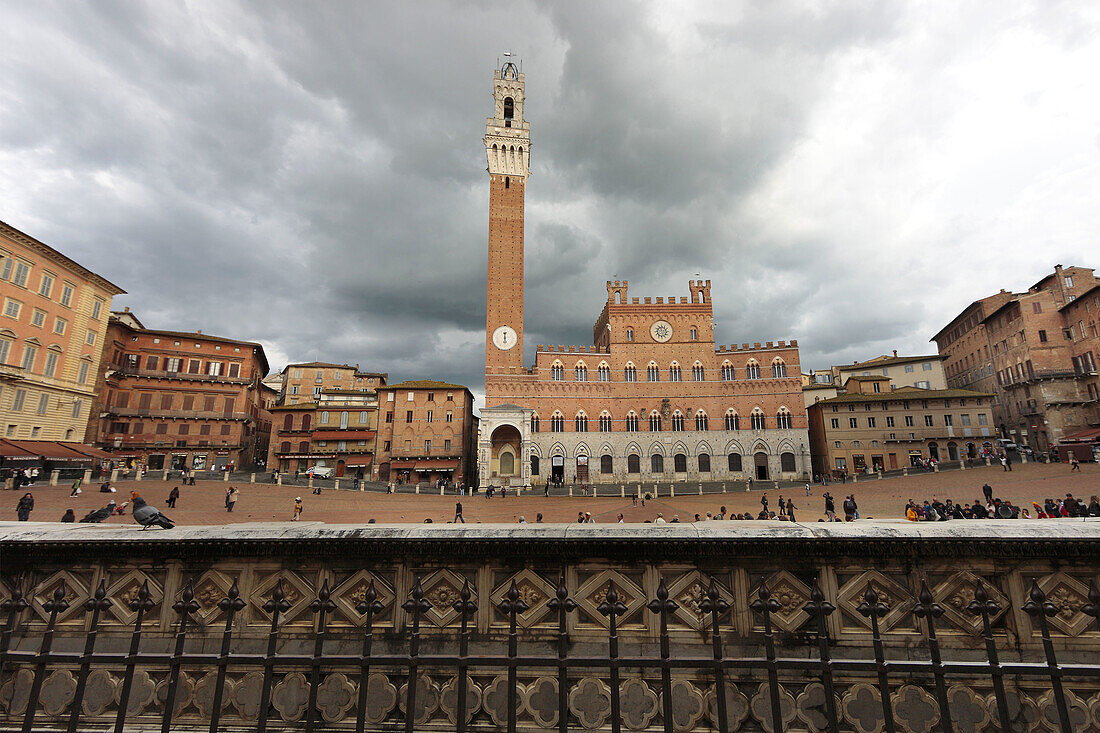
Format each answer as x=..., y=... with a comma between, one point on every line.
x=551, y=700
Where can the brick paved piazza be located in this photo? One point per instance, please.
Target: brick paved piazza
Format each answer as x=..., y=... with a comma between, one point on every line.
x=203, y=503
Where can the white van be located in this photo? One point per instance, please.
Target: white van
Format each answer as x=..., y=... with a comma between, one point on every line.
x=319, y=471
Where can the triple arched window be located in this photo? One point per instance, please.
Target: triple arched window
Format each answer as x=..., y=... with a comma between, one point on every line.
x=630, y=374
x=632, y=422
x=534, y=423
x=605, y=423
x=603, y=373
x=779, y=369
x=653, y=372
x=580, y=373
x=678, y=421
x=557, y=423
x=783, y=418
x=580, y=423
x=733, y=422
x=655, y=422
x=697, y=372
x=727, y=372
x=757, y=419
x=752, y=370
x=674, y=373
x=701, y=421
x=557, y=371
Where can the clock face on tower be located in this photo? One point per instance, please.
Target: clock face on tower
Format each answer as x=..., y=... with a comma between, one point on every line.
x=505, y=338
x=661, y=331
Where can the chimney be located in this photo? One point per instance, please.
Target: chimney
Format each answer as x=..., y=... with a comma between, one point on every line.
x=199, y=332
x=895, y=353
x=126, y=309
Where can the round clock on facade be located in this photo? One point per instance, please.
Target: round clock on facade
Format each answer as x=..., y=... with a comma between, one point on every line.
x=505, y=338
x=661, y=331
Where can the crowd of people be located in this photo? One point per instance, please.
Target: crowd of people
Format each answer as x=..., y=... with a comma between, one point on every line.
x=993, y=507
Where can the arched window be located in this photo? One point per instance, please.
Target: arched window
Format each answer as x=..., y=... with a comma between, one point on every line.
x=655, y=421
x=630, y=374
x=757, y=419
x=284, y=447
x=343, y=420
x=323, y=419
x=734, y=462
x=674, y=373
x=288, y=422
x=303, y=447
x=605, y=422
x=680, y=463
x=952, y=452
x=534, y=465
x=733, y=422
x=633, y=463
x=630, y=334
x=657, y=463
x=557, y=423
x=678, y=421
x=69, y=434
x=307, y=420
x=653, y=372
x=580, y=372
x=632, y=422
x=752, y=370
x=557, y=371
x=786, y=462
x=727, y=371
x=779, y=369
x=693, y=333
x=603, y=372
x=783, y=418
x=580, y=423
x=509, y=111
x=606, y=464
x=701, y=421
x=697, y=372
x=534, y=423
x=704, y=463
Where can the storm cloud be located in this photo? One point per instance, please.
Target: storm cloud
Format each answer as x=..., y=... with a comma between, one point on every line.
x=311, y=175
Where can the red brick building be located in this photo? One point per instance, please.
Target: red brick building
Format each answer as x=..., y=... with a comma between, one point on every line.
x=653, y=398
x=180, y=400
x=427, y=431
x=1082, y=318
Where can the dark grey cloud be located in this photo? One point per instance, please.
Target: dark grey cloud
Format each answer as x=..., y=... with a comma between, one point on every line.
x=311, y=176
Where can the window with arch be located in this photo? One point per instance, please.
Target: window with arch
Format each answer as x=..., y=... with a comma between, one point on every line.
x=603, y=373
x=343, y=420
x=732, y=421
x=757, y=419
x=786, y=462
x=680, y=463
x=557, y=371
x=727, y=372
x=509, y=111
x=605, y=423
x=678, y=421
x=701, y=422
x=607, y=465
x=580, y=373
x=580, y=423
x=697, y=372
x=284, y=447
x=534, y=423
x=288, y=422
x=630, y=374
x=557, y=423
x=630, y=334
x=654, y=421
x=307, y=421
x=534, y=465
x=323, y=419
x=303, y=447
x=734, y=462
x=674, y=373
x=752, y=370
x=633, y=463
x=783, y=418
x=653, y=372
x=779, y=369
x=657, y=463
x=694, y=334
x=704, y=463
x=632, y=422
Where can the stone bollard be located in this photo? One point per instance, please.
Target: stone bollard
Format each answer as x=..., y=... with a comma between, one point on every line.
x=962, y=464
x=671, y=490
x=417, y=490
x=776, y=485
x=595, y=491
x=114, y=475
x=622, y=491
x=936, y=467
x=880, y=474
x=165, y=475
x=855, y=478
x=987, y=460
x=570, y=489
x=252, y=479
x=278, y=479
x=1023, y=460
x=309, y=484
x=700, y=489
x=905, y=470
x=138, y=474
x=723, y=487
x=55, y=476
x=87, y=476
x=225, y=476
x=336, y=484
x=441, y=490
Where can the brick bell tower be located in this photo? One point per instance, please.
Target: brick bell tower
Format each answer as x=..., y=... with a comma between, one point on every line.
x=508, y=151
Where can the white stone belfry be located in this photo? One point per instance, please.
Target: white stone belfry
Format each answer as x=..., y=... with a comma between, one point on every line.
x=507, y=133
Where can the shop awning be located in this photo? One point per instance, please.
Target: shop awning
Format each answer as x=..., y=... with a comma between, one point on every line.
x=358, y=461
x=403, y=465
x=11, y=452
x=305, y=455
x=51, y=450
x=89, y=451
x=436, y=465
x=1088, y=435
x=343, y=435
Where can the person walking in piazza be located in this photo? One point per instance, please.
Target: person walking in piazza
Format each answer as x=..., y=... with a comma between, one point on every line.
x=782, y=505
x=458, y=512
x=297, y=509
x=988, y=491
x=807, y=489
x=763, y=500
x=1074, y=464
x=830, y=506
x=24, y=507
x=172, y=496
x=231, y=498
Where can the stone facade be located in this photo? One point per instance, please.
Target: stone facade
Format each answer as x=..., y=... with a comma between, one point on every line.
x=338, y=568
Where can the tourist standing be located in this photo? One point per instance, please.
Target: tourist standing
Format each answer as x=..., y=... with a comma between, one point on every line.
x=830, y=507
x=172, y=496
x=763, y=501
x=231, y=499
x=988, y=491
x=24, y=507
x=1074, y=464
x=297, y=509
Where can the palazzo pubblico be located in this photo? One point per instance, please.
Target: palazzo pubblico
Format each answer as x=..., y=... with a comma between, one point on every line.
x=653, y=399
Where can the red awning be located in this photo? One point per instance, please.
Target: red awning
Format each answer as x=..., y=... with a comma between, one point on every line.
x=358, y=461
x=403, y=465
x=89, y=450
x=1082, y=436
x=343, y=435
x=51, y=450
x=436, y=465
x=11, y=452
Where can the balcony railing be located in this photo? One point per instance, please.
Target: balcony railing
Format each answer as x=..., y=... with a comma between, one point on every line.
x=130, y=371
x=10, y=371
x=176, y=414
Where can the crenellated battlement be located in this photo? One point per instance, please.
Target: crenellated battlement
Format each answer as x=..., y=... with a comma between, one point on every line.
x=767, y=346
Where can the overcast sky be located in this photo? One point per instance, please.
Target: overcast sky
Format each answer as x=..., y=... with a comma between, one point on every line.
x=312, y=176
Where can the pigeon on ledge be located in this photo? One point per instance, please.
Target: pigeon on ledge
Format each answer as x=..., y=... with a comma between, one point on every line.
x=147, y=516
x=100, y=514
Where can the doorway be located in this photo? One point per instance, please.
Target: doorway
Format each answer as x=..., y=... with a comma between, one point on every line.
x=340, y=466
x=582, y=469
x=557, y=469
x=761, y=460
